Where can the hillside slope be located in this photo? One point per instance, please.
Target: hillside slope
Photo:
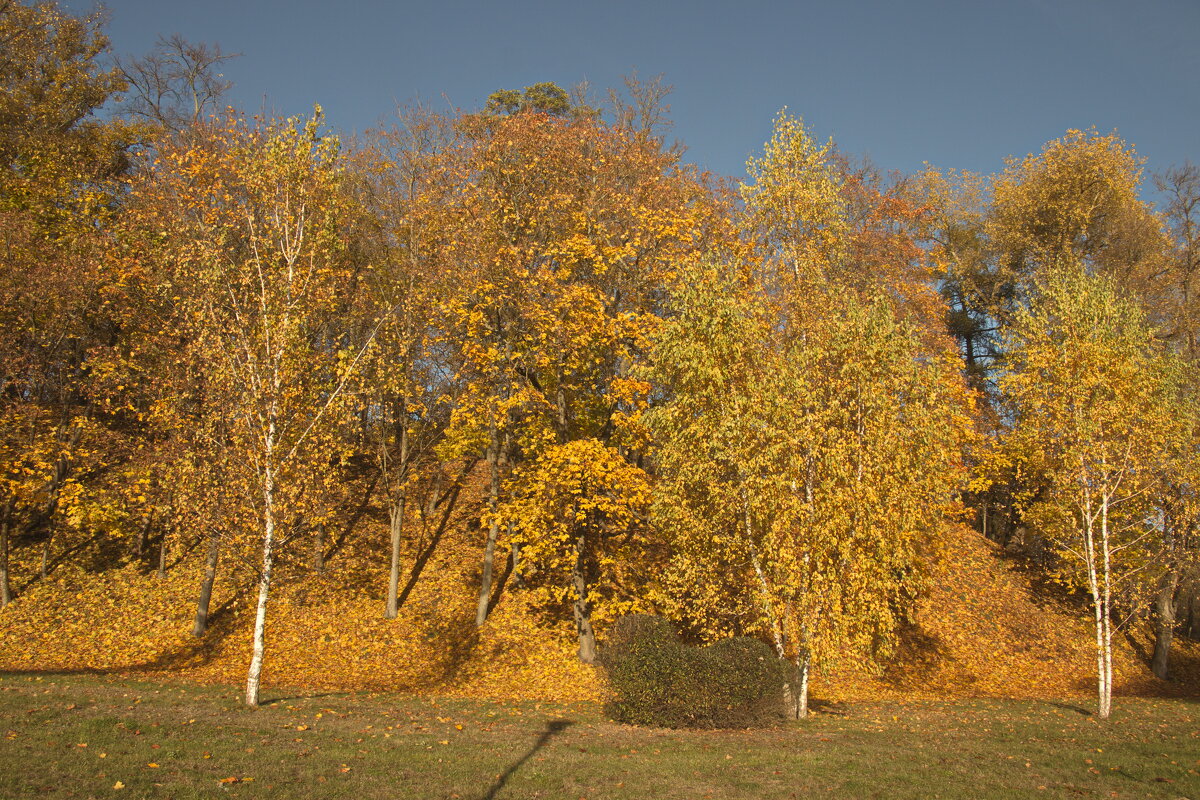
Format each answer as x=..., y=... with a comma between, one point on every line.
x=983, y=629
x=986, y=628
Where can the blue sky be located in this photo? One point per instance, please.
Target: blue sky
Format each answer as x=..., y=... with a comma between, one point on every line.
x=953, y=82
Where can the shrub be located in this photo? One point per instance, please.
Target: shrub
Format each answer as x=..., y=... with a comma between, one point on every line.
x=658, y=680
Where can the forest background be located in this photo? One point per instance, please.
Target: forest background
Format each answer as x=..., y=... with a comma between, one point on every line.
x=432, y=406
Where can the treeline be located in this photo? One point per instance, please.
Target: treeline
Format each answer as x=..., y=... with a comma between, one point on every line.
x=752, y=408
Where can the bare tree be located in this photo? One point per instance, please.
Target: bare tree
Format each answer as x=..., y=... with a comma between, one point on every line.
x=177, y=83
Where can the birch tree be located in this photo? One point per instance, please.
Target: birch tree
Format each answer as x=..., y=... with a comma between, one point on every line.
x=815, y=467
x=251, y=214
x=808, y=434
x=1089, y=395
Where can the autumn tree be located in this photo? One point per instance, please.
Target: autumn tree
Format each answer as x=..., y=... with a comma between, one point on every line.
x=579, y=513
x=253, y=233
x=951, y=229
x=573, y=225
x=58, y=168
x=802, y=462
x=408, y=387
x=1181, y=516
x=801, y=414
x=540, y=98
x=1077, y=203
x=1090, y=394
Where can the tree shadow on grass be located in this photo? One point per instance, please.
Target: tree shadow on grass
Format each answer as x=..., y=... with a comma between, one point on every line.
x=553, y=728
x=1071, y=707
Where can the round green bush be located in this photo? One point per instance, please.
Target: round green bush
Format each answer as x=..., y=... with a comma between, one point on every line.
x=657, y=680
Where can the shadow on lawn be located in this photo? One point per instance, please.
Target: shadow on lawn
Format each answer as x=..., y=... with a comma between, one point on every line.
x=553, y=728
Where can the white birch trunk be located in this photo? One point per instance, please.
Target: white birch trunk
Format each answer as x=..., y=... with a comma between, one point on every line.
x=1106, y=584
x=1098, y=610
x=264, y=583
x=802, y=664
x=794, y=698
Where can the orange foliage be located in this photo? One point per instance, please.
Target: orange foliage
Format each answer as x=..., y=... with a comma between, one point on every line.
x=985, y=630
x=981, y=630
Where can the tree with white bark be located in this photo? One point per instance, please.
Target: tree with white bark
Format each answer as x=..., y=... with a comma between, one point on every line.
x=1090, y=396
x=251, y=216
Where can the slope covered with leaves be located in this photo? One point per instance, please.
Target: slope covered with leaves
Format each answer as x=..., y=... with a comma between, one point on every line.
x=983, y=629
x=988, y=627
x=325, y=632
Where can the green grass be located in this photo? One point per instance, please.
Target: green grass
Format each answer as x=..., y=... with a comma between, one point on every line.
x=77, y=737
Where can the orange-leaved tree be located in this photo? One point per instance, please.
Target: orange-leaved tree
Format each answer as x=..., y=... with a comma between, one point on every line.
x=570, y=226
x=250, y=215
x=808, y=434
x=1091, y=396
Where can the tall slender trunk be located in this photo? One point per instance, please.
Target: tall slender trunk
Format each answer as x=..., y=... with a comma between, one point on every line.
x=795, y=698
x=1107, y=550
x=489, y=550
x=1164, y=623
x=264, y=583
x=1097, y=563
x=45, y=565
x=510, y=564
x=162, y=553
x=5, y=521
x=448, y=502
x=396, y=511
x=802, y=665
x=582, y=607
x=206, y=584
x=515, y=557
x=396, y=523
x=1099, y=612
x=143, y=530
x=319, y=549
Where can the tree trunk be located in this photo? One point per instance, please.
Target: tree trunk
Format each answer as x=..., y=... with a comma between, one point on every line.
x=319, y=549
x=5, y=588
x=795, y=697
x=1164, y=624
x=264, y=589
x=802, y=664
x=1103, y=611
x=582, y=607
x=510, y=564
x=1099, y=612
x=206, y=584
x=515, y=558
x=396, y=520
x=396, y=511
x=450, y=501
x=1101, y=686
x=489, y=550
x=45, y=557
x=162, y=555
x=140, y=544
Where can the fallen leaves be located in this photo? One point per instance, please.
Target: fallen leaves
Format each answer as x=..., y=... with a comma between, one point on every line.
x=987, y=635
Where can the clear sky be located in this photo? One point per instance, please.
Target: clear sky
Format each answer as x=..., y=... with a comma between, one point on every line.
x=958, y=83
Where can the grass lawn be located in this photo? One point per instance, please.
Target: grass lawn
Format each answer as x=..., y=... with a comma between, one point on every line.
x=84, y=736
